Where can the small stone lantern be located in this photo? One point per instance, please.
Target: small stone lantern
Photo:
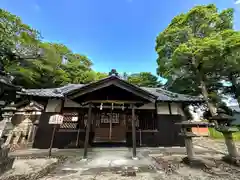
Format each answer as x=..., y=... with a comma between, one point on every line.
x=6, y=162
x=186, y=132
x=8, y=94
x=224, y=126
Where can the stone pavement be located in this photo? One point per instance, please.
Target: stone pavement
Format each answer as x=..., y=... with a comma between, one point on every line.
x=117, y=164
x=106, y=165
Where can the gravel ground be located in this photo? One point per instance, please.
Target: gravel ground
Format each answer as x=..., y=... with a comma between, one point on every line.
x=27, y=166
x=153, y=164
x=171, y=167
x=216, y=145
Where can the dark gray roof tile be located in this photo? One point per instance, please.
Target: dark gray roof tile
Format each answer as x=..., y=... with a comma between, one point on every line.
x=163, y=95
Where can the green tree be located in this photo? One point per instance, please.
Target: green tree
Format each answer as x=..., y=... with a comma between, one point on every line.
x=144, y=79
x=190, y=50
x=37, y=64
x=19, y=46
x=230, y=69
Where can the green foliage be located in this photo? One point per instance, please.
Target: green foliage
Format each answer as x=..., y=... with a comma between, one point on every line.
x=55, y=65
x=218, y=135
x=144, y=79
x=196, y=49
x=19, y=44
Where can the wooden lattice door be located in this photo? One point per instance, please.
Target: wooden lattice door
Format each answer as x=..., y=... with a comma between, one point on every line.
x=110, y=129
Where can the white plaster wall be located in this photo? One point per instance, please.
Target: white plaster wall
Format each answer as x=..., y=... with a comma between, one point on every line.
x=54, y=105
x=148, y=106
x=180, y=111
x=70, y=103
x=174, y=108
x=162, y=108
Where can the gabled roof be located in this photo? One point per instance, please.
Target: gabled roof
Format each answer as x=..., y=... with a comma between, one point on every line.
x=158, y=94
x=116, y=81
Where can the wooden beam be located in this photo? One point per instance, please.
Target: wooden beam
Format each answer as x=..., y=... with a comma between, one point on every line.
x=110, y=126
x=113, y=101
x=169, y=108
x=134, y=151
x=87, y=131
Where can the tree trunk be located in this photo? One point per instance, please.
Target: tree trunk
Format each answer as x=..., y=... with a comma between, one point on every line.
x=204, y=91
x=211, y=107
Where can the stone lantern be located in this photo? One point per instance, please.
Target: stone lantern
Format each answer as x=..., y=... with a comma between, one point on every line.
x=224, y=126
x=186, y=132
x=7, y=95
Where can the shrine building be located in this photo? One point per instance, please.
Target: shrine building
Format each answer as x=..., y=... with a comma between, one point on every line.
x=109, y=111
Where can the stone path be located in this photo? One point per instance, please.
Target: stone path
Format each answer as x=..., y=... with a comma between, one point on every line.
x=106, y=165
x=153, y=164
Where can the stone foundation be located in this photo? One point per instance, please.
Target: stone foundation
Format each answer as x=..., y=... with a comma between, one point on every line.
x=6, y=162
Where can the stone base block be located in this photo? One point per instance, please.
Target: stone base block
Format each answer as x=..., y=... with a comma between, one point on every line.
x=6, y=164
x=129, y=173
x=232, y=160
x=198, y=163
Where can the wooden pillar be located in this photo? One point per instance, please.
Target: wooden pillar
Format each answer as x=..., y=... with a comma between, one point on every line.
x=89, y=121
x=134, y=132
x=110, y=126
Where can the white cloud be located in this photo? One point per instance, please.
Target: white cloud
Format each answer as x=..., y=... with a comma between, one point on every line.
x=129, y=1
x=237, y=2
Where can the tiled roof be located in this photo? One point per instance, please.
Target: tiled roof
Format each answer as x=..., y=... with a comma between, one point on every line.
x=161, y=94
x=51, y=92
x=164, y=95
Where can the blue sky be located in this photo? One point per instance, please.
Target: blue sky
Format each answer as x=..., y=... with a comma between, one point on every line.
x=116, y=34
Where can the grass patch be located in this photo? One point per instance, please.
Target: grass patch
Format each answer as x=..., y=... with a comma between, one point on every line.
x=218, y=135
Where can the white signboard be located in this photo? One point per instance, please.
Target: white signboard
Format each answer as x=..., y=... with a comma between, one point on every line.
x=75, y=118
x=56, y=119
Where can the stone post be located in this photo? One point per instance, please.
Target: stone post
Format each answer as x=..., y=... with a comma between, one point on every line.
x=186, y=127
x=224, y=126
x=6, y=162
x=232, y=150
x=189, y=147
